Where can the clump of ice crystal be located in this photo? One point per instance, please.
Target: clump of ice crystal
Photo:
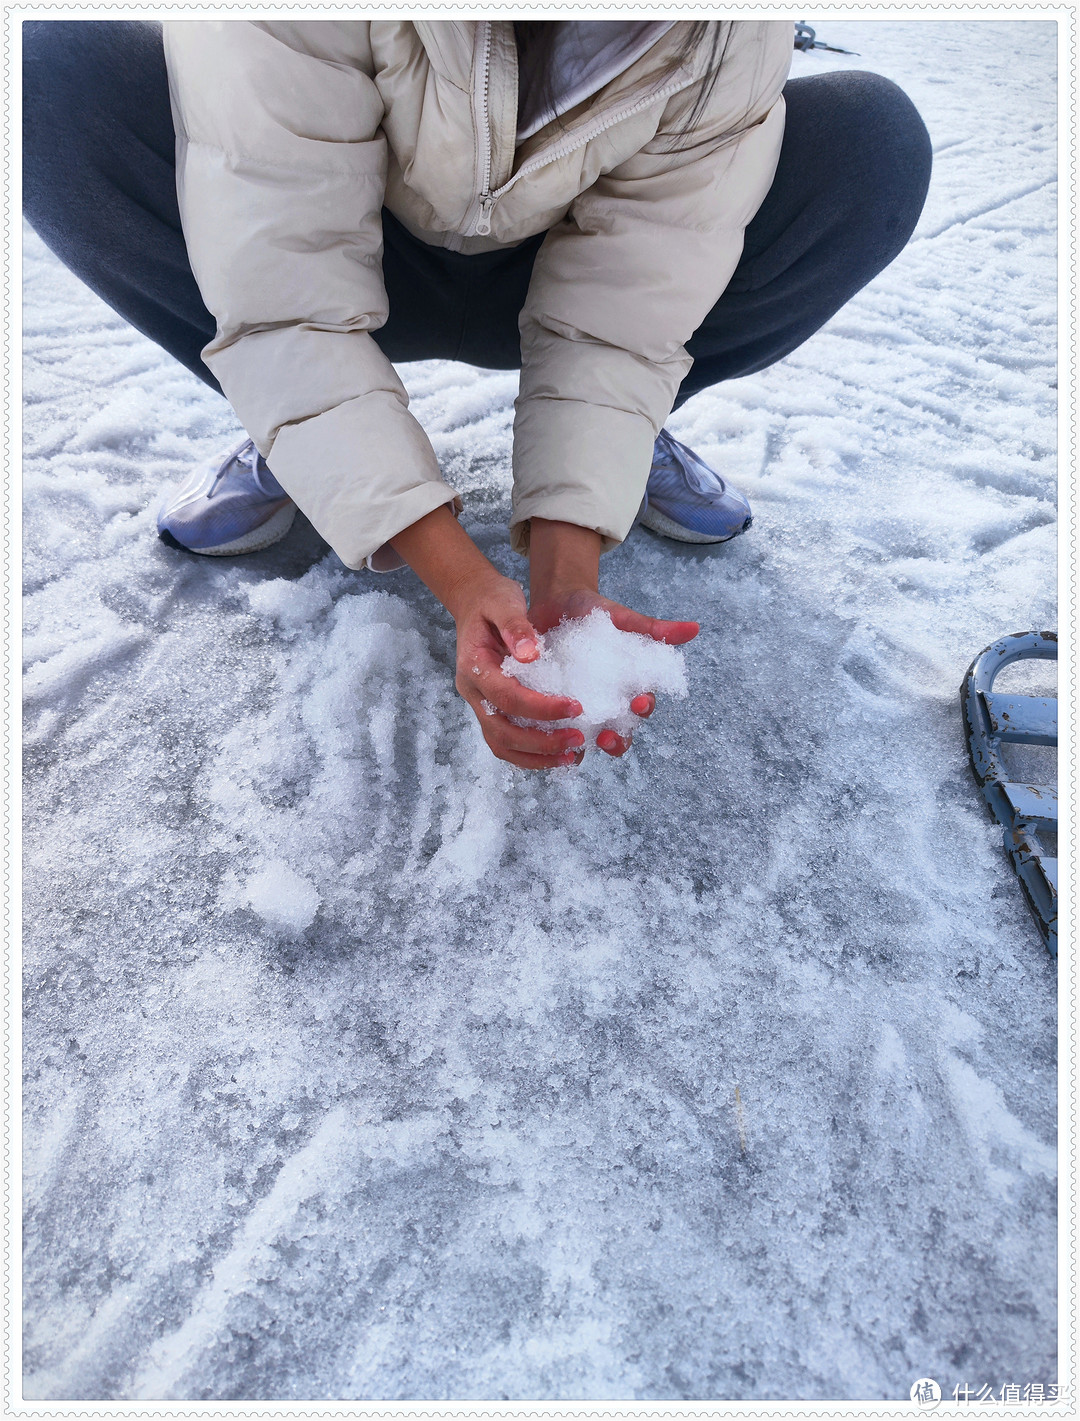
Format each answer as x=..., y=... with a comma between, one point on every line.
x=603, y=668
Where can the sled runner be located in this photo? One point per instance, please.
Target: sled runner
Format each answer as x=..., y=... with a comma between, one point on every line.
x=1026, y=812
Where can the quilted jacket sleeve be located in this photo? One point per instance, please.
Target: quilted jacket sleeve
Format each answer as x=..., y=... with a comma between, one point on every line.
x=625, y=279
x=282, y=219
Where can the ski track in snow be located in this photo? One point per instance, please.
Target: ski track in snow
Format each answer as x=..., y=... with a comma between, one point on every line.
x=360, y=1065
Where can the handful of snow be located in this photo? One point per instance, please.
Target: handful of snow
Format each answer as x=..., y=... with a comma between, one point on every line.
x=603, y=668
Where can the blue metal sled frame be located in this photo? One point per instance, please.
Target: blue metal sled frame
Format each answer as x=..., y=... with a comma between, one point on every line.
x=993, y=719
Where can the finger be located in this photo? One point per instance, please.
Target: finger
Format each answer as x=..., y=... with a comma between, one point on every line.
x=538, y=762
x=502, y=734
x=643, y=705
x=519, y=638
x=513, y=698
x=674, y=633
x=528, y=748
x=483, y=679
x=527, y=740
x=614, y=745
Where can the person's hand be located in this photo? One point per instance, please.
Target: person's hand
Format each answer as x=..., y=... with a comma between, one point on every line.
x=492, y=623
x=550, y=611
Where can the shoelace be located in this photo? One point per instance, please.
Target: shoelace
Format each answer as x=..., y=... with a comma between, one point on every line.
x=246, y=454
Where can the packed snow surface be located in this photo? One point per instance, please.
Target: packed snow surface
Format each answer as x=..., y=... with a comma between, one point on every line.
x=360, y=1065
x=603, y=668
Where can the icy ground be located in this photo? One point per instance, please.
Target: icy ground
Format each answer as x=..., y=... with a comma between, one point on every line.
x=361, y=1066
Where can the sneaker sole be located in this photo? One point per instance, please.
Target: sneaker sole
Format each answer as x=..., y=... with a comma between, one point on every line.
x=272, y=531
x=668, y=528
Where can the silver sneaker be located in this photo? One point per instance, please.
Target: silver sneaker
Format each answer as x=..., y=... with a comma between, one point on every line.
x=686, y=500
x=238, y=508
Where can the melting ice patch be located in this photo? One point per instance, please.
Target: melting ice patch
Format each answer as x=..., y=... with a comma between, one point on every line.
x=604, y=668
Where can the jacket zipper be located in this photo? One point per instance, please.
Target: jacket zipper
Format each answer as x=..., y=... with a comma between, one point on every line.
x=487, y=202
x=488, y=199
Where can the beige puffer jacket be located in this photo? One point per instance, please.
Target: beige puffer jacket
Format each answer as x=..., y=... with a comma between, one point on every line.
x=291, y=136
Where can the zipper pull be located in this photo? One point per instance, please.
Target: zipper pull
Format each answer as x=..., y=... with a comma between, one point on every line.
x=483, y=222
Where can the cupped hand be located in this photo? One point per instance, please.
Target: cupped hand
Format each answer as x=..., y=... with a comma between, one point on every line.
x=493, y=623
x=547, y=611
